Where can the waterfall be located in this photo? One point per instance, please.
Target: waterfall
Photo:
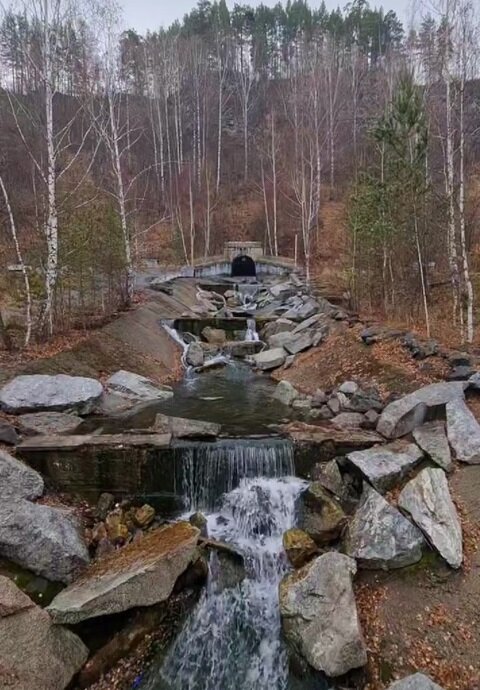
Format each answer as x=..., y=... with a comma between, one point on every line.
x=232, y=640
x=206, y=471
x=251, y=334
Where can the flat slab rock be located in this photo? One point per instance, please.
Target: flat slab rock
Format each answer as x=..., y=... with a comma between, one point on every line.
x=48, y=423
x=432, y=439
x=319, y=614
x=384, y=466
x=417, y=681
x=43, y=539
x=141, y=574
x=33, y=393
x=131, y=385
x=270, y=359
x=426, y=498
x=463, y=432
x=18, y=480
x=180, y=427
x=379, y=536
x=403, y=416
x=34, y=653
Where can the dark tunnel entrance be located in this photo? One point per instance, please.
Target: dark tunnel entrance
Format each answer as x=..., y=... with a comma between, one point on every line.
x=243, y=265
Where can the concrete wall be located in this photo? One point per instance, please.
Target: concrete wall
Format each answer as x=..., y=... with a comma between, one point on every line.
x=234, y=249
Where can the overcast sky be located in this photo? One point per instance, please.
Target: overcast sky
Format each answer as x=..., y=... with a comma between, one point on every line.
x=151, y=14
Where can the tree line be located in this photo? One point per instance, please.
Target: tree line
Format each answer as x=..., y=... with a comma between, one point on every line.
x=117, y=145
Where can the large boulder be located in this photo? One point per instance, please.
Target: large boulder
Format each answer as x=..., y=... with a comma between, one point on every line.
x=463, y=432
x=179, y=427
x=36, y=392
x=141, y=574
x=323, y=517
x=42, y=539
x=298, y=342
x=285, y=392
x=403, y=416
x=136, y=387
x=432, y=439
x=34, y=653
x=379, y=536
x=319, y=614
x=348, y=420
x=18, y=480
x=270, y=359
x=426, y=498
x=8, y=434
x=384, y=466
x=417, y=681
x=46, y=423
x=215, y=336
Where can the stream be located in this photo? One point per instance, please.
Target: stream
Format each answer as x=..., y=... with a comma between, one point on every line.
x=247, y=490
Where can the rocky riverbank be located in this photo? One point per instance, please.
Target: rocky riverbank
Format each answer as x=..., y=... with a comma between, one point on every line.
x=383, y=510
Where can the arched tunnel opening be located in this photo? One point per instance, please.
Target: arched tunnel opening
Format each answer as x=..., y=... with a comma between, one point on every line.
x=243, y=266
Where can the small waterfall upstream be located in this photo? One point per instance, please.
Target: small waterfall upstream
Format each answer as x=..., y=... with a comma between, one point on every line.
x=232, y=639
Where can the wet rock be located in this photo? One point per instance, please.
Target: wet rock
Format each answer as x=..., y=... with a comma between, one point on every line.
x=140, y=574
x=323, y=517
x=348, y=420
x=105, y=503
x=329, y=476
x=34, y=653
x=144, y=516
x=243, y=348
x=134, y=386
x=199, y=521
x=270, y=359
x=463, y=432
x=216, y=336
x=432, y=439
x=379, y=536
x=42, y=539
x=194, y=355
x=319, y=615
x=45, y=423
x=18, y=480
x=8, y=435
x=384, y=466
x=417, y=681
x=42, y=392
x=299, y=547
x=403, y=416
x=349, y=388
x=285, y=393
x=426, y=498
x=228, y=568
x=179, y=427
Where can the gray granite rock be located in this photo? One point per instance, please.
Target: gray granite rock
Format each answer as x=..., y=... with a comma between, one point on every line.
x=17, y=479
x=42, y=392
x=285, y=392
x=417, y=681
x=298, y=343
x=42, y=423
x=432, y=439
x=195, y=355
x=463, y=432
x=384, y=466
x=270, y=359
x=319, y=614
x=426, y=498
x=348, y=420
x=403, y=416
x=134, y=386
x=179, y=427
x=379, y=536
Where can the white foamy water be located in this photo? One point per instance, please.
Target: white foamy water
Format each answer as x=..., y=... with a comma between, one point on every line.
x=232, y=639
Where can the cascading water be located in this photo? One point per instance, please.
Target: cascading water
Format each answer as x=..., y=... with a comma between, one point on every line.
x=251, y=334
x=232, y=640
